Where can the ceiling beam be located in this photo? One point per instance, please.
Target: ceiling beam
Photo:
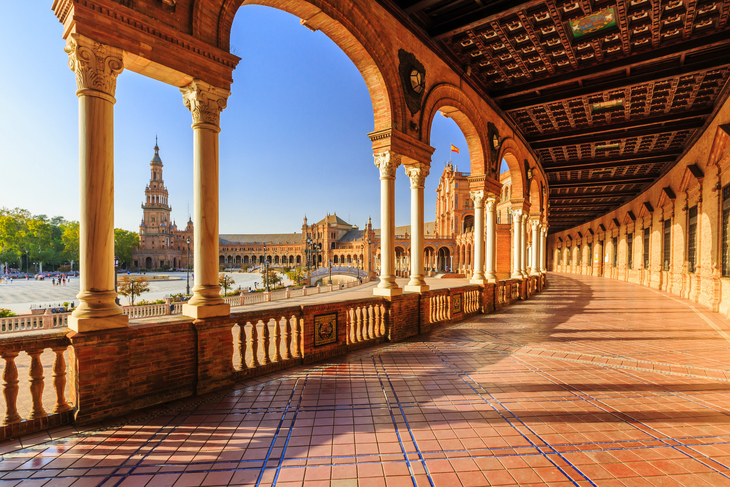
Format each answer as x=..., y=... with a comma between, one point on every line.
x=630, y=160
x=624, y=133
x=553, y=205
x=613, y=194
x=601, y=182
x=652, y=56
x=626, y=125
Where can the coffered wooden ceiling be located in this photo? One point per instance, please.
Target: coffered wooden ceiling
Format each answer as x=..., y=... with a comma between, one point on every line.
x=608, y=93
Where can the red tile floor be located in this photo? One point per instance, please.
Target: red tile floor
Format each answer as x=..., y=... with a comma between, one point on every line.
x=593, y=382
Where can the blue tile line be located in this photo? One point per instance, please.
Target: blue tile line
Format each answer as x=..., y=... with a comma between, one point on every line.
x=521, y=422
x=278, y=428
x=397, y=432
x=611, y=411
x=288, y=435
x=690, y=399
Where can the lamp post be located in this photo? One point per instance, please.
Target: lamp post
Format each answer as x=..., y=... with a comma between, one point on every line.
x=330, y=272
x=26, y=262
x=266, y=269
x=187, y=270
x=131, y=287
x=116, y=268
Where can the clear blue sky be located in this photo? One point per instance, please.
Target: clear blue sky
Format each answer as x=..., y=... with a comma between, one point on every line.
x=293, y=140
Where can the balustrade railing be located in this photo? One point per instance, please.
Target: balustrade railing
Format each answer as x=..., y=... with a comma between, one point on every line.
x=34, y=322
x=146, y=311
x=42, y=407
x=365, y=322
x=267, y=337
x=439, y=307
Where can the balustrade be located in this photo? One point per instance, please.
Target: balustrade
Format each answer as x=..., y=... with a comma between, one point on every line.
x=23, y=412
x=365, y=322
x=267, y=338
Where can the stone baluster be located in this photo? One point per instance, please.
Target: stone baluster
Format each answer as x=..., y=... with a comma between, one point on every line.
x=358, y=325
x=277, y=341
x=296, y=353
x=10, y=388
x=266, y=343
x=35, y=374
x=287, y=339
x=253, y=345
x=384, y=327
x=241, y=345
x=371, y=324
x=376, y=312
x=350, y=326
x=59, y=381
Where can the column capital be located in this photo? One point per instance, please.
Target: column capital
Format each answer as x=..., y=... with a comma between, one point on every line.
x=417, y=173
x=387, y=162
x=535, y=224
x=477, y=197
x=490, y=204
x=96, y=66
x=205, y=102
x=516, y=216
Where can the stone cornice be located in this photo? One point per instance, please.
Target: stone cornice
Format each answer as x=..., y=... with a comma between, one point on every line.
x=136, y=34
x=412, y=149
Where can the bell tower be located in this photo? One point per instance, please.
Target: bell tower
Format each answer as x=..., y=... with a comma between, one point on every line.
x=154, y=231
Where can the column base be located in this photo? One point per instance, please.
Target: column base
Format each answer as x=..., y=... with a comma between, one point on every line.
x=83, y=325
x=417, y=288
x=392, y=291
x=209, y=311
x=515, y=275
x=534, y=273
x=477, y=280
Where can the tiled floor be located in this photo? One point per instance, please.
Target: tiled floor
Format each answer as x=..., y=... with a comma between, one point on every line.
x=594, y=382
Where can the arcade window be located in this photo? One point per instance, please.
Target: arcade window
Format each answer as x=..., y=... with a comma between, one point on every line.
x=667, y=246
x=590, y=254
x=647, y=233
x=559, y=256
x=630, y=250
x=726, y=231
x=577, y=256
x=567, y=256
x=692, y=240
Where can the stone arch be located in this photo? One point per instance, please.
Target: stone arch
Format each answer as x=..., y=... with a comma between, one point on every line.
x=348, y=27
x=467, y=223
x=457, y=105
x=511, y=152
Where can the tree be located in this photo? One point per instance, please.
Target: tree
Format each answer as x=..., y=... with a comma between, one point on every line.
x=129, y=287
x=124, y=243
x=70, y=240
x=274, y=278
x=298, y=275
x=225, y=282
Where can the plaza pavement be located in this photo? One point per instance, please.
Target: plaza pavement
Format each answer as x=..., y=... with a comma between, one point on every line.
x=592, y=382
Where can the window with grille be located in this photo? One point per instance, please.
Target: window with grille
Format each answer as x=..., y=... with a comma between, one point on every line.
x=726, y=231
x=578, y=256
x=590, y=254
x=667, y=246
x=647, y=233
x=567, y=256
x=559, y=257
x=630, y=250
x=614, y=246
x=692, y=240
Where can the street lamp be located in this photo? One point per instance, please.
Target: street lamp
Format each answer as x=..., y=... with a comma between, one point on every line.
x=266, y=269
x=187, y=271
x=330, y=272
x=26, y=262
x=131, y=283
x=116, y=292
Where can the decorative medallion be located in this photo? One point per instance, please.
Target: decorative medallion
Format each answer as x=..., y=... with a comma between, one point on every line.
x=413, y=78
x=596, y=22
x=325, y=329
x=456, y=303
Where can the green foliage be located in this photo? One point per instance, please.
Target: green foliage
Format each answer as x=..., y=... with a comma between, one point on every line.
x=298, y=275
x=226, y=282
x=131, y=286
x=6, y=313
x=124, y=243
x=274, y=278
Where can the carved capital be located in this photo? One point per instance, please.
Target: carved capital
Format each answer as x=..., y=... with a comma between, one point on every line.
x=491, y=203
x=477, y=197
x=205, y=101
x=96, y=65
x=417, y=173
x=516, y=216
x=535, y=224
x=387, y=162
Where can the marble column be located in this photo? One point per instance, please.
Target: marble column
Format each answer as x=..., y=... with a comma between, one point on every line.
x=387, y=163
x=523, y=250
x=491, y=230
x=96, y=67
x=477, y=198
x=205, y=103
x=516, y=243
x=543, y=250
x=417, y=173
x=534, y=257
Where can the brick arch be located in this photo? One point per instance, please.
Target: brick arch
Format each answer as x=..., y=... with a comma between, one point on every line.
x=461, y=109
x=349, y=28
x=512, y=153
